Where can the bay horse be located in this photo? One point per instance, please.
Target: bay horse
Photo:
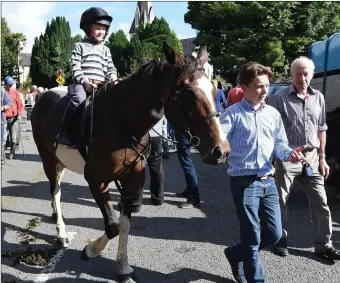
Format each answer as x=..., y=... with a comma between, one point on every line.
x=123, y=115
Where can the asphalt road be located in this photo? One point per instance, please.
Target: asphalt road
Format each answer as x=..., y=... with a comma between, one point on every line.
x=166, y=244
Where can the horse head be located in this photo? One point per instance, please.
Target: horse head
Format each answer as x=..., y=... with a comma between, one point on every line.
x=190, y=106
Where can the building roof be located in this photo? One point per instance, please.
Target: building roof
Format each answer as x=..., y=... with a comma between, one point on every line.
x=25, y=59
x=188, y=45
x=144, y=14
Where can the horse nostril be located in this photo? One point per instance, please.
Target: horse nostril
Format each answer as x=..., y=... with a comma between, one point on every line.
x=217, y=152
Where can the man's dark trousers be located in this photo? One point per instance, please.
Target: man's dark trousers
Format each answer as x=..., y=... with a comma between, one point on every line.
x=184, y=158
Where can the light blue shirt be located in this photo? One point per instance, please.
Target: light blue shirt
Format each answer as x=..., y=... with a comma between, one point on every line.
x=254, y=136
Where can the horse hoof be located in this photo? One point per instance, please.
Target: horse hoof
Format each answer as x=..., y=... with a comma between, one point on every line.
x=84, y=255
x=63, y=242
x=127, y=278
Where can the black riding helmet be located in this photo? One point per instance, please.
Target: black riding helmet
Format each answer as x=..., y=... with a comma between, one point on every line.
x=94, y=15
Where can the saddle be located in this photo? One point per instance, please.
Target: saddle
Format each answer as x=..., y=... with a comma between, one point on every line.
x=78, y=130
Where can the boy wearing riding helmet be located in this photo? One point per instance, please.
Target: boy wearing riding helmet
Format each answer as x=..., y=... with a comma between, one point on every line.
x=91, y=65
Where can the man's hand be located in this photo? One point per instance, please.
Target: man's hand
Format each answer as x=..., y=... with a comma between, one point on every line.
x=297, y=156
x=19, y=118
x=324, y=168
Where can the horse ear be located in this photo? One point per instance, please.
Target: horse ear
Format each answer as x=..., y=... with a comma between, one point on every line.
x=170, y=55
x=202, y=56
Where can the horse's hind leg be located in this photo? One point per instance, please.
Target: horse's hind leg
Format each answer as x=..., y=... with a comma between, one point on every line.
x=54, y=172
x=62, y=239
x=100, y=193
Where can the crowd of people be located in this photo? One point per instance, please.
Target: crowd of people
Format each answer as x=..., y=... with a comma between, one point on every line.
x=14, y=101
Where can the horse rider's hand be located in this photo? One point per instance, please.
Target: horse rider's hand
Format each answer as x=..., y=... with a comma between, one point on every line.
x=19, y=118
x=115, y=80
x=297, y=156
x=324, y=167
x=89, y=86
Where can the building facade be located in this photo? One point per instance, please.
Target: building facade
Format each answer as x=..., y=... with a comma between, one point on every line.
x=24, y=66
x=144, y=15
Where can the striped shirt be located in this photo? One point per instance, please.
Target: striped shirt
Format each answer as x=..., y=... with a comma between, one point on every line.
x=90, y=61
x=303, y=119
x=254, y=137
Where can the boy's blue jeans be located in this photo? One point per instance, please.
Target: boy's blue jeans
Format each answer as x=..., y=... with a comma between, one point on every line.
x=258, y=210
x=184, y=158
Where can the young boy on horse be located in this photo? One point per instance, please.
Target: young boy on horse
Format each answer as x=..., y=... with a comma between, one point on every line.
x=91, y=65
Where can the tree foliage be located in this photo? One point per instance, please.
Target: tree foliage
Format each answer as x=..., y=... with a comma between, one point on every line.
x=120, y=49
x=157, y=32
x=11, y=46
x=272, y=33
x=145, y=45
x=51, y=50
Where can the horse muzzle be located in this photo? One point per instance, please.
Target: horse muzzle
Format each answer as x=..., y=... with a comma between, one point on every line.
x=216, y=156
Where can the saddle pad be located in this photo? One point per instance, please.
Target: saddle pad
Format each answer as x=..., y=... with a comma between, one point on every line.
x=70, y=158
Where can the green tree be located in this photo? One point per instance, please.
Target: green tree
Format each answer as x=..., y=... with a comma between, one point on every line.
x=51, y=50
x=120, y=49
x=142, y=51
x=155, y=33
x=145, y=45
x=272, y=33
x=11, y=46
x=77, y=38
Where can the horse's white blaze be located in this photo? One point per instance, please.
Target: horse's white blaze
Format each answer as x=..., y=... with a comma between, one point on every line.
x=206, y=86
x=95, y=247
x=70, y=158
x=122, y=258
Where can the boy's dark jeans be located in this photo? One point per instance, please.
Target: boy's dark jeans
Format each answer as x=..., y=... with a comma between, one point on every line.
x=258, y=210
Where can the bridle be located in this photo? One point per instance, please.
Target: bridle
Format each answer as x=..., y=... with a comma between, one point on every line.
x=188, y=124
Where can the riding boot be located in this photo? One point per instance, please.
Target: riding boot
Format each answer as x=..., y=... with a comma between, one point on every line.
x=63, y=136
x=12, y=152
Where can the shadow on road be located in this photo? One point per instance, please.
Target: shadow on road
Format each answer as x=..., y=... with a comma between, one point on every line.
x=220, y=226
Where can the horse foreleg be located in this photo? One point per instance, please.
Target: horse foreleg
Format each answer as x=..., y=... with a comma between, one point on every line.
x=132, y=188
x=102, y=197
x=125, y=271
